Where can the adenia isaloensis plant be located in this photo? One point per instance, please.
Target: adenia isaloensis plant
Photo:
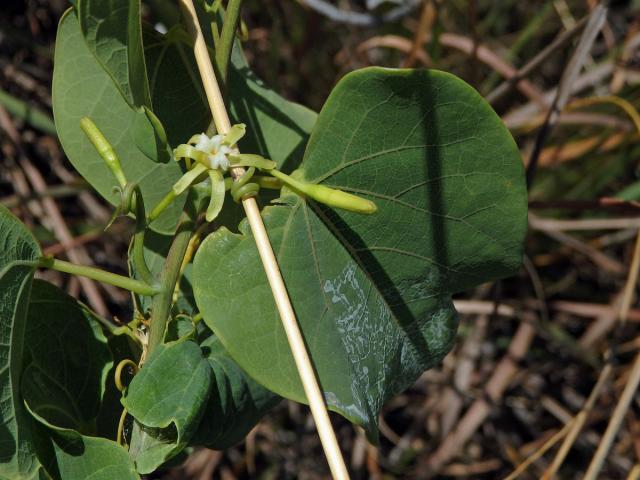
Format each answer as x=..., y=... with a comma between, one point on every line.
x=405, y=189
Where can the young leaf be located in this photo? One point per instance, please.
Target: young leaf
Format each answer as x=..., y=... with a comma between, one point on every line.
x=19, y=442
x=372, y=293
x=167, y=397
x=82, y=88
x=236, y=404
x=113, y=33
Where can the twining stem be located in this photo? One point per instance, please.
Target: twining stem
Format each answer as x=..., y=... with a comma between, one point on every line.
x=161, y=306
x=227, y=36
x=135, y=286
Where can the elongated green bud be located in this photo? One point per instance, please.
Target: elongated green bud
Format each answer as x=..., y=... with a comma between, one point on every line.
x=327, y=195
x=104, y=148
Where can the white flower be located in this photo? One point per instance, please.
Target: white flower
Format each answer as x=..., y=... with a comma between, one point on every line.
x=219, y=159
x=217, y=152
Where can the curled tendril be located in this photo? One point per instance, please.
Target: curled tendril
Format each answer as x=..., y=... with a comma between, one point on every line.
x=118, y=373
x=242, y=188
x=119, y=436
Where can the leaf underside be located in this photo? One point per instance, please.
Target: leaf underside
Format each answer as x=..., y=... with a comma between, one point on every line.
x=372, y=293
x=19, y=443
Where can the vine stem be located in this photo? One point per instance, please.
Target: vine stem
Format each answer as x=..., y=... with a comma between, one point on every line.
x=269, y=262
x=225, y=45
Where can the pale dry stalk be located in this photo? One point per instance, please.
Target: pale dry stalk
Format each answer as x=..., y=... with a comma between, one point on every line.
x=269, y=262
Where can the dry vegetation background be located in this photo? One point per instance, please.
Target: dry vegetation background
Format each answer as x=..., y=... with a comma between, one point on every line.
x=547, y=364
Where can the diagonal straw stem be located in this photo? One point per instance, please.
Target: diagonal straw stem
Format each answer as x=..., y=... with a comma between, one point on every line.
x=280, y=295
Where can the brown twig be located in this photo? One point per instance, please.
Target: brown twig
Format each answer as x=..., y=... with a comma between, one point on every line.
x=60, y=229
x=427, y=17
x=465, y=45
x=537, y=61
x=480, y=409
x=588, y=37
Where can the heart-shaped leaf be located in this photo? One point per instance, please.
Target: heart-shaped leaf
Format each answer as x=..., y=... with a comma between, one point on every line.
x=19, y=435
x=167, y=397
x=82, y=87
x=372, y=293
x=236, y=404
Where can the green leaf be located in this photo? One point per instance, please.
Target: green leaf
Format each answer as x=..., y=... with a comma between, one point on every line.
x=236, y=404
x=69, y=360
x=19, y=435
x=167, y=397
x=92, y=458
x=372, y=293
x=81, y=87
x=64, y=383
x=276, y=128
x=113, y=33
x=83, y=456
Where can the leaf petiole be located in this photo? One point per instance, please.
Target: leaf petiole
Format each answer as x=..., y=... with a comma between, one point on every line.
x=131, y=284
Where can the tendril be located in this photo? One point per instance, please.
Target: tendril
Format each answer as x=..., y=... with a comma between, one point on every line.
x=241, y=188
x=118, y=373
x=119, y=435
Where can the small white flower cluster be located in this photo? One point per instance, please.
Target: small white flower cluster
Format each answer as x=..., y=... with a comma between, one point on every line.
x=217, y=152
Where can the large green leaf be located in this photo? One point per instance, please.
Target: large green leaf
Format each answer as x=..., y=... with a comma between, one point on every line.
x=64, y=383
x=167, y=397
x=19, y=440
x=114, y=35
x=372, y=293
x=236, y=403
x=69, y=360
x=81, y=87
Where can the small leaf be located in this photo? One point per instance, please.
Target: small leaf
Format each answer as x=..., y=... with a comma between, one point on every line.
x=81, y=88
x=236, y=403
x=20, y=441
x=113, y=34
x=372, y=293
x=167, y=397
